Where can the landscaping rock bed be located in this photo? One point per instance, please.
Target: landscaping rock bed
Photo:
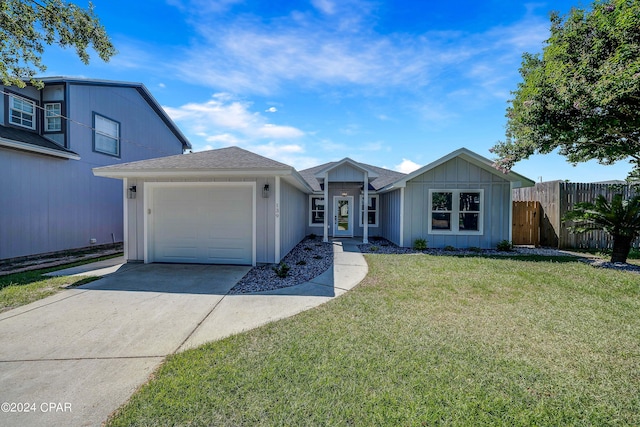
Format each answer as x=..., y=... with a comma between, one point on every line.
x=378, y=245
x=307, y=260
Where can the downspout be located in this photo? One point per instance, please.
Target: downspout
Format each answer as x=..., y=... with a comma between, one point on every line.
x=365, y=210
x=325, y=237
x=277, y=221
x=402, y=217
x=511, y=186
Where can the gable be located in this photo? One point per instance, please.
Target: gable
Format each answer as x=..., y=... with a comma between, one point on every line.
x=457, y=170
x=345, y=173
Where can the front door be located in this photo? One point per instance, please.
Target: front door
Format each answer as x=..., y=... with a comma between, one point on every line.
x=342, y=216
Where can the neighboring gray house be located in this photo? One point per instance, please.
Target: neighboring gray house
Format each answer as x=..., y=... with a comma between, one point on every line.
x=231, y=206
x=50, y=140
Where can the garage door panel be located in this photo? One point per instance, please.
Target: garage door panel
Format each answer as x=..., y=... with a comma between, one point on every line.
x=202, y=224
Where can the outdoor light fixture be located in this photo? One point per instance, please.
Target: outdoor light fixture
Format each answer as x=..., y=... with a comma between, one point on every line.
x=344, y=194
x=131, y=194
x=265, y=191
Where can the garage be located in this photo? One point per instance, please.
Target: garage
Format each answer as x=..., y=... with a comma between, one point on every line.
x=201, y=223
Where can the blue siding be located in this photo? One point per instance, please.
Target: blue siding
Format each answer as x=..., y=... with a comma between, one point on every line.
x=390, y=216
x=292, y=217
x=50, y=205
x=458, y=174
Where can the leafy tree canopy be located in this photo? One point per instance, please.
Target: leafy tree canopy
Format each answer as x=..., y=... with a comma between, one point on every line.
x=27, y=25
x=581, y=95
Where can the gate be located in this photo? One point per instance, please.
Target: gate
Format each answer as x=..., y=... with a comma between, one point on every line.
x=526, y=223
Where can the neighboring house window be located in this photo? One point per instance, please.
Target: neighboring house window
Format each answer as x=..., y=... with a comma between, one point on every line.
x=455, y=211
x=371, y=211
x=106, y=135
x=52, y=119
x=316, y=210
x=22, y=112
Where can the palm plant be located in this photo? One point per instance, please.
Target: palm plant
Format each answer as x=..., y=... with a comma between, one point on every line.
x=620, y=218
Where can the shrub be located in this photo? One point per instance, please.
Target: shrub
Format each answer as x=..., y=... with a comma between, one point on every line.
x=374, y=248
x=420, y=244
x=301, y=262
x=317, y=257
x=449, y=248
x=282, y=270
x=475, y=249
x=312, y=236
x=504, y=246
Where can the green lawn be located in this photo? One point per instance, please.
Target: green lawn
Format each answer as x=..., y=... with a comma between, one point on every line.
x=23, y=288
x=423, y=341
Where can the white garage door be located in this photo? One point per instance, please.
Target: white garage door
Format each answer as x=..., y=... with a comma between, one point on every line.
x=208, y=224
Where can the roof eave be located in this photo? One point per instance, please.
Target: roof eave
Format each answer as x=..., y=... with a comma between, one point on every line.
x=114, y=172
x=69, y=155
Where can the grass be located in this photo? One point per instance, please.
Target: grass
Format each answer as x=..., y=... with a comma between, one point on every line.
x=423, y=341
x=23, y=288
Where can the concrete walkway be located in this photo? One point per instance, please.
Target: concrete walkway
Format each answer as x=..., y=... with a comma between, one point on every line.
x=73, y=358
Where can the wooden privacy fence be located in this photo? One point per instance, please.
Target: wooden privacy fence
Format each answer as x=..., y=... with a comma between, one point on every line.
x=526, y=223
x=556, y=199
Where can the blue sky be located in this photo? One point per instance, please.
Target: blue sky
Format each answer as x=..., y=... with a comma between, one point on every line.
x=396, y=84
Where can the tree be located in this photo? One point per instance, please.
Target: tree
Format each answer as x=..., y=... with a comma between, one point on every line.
x=27, y=25
x=581, y=95
x=620, y=218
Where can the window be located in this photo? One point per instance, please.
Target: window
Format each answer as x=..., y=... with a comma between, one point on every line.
x=22, y=112
x=456, y=211
x=371, y=212
x=52, y=119
x=106, y=135
x=316, y=210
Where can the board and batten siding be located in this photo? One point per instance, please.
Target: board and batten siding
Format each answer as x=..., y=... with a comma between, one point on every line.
x=389, y=216
x=265, y=216
x=292, y=217
x=456, y=174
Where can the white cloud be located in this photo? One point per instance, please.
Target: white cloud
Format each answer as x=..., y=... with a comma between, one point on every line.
x=407, y=166
x=271, y=110
x=226, y=120
x=325, y=6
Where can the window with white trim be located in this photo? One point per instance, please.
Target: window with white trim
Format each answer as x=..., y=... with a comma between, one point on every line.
x=455, y=211
x=316, y=211
x=371, y=212
x=106, y=135
x=52, y=117
x=22, y=112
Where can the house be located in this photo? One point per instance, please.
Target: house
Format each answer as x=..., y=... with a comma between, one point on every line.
x=232, y=206
x=50, y=139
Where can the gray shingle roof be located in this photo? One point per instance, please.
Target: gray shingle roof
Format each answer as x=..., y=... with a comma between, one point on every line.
x=385, y=176
x=230, y=158
x=31, y=138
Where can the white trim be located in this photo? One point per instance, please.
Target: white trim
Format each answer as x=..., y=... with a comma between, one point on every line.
x=34, y=112
x=349, y=200
x=277, y=220
x=55, y=116
x=455, y=211
x=511, y=187
x=402, y=217
x=362, y=210
x=148, y=202
x=325, y=231
x=37, y=149
x=125, y=219
x=309, y=219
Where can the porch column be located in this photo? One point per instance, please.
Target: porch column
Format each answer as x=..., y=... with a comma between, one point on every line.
x=325, y=236
x=365, y=210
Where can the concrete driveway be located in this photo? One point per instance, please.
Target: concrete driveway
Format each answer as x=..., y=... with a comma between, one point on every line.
x=73, y=358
